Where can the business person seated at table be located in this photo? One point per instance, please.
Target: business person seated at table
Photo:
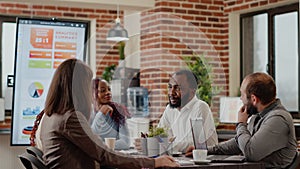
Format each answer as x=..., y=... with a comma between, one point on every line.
x=108, y=118
x=66, y=136
x=183, y=106
x=269, y=136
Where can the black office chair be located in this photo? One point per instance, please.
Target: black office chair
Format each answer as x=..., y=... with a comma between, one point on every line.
x=296, y=162
x=31, y=162
x=36, y=152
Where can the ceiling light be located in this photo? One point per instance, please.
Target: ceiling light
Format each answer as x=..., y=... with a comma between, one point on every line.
x=117, y=33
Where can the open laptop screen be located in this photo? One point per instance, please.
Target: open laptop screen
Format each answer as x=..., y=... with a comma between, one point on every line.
x=198, y=133
x=229, y=108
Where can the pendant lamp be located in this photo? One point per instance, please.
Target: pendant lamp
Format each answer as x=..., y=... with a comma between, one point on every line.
x=117, y=33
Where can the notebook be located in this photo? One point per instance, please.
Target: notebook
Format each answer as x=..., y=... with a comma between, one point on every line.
x=200, y=143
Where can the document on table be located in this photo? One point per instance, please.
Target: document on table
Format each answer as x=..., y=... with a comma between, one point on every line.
x=130, y=152
x=184, y=162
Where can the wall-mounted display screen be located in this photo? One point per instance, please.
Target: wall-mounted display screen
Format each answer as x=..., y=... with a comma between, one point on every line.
x=41, y=46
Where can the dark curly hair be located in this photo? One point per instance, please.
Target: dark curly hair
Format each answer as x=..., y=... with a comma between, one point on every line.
x=120, y=112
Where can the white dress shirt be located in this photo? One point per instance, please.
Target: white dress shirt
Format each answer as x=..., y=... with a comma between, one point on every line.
x=178, y=122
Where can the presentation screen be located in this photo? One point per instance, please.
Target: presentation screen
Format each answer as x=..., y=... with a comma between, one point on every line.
x=41, y=46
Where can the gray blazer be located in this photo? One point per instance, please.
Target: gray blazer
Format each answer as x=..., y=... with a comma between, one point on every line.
x=271, y=141
x=68, y=142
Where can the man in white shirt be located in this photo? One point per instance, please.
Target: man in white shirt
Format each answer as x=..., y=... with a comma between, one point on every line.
x=183, y=106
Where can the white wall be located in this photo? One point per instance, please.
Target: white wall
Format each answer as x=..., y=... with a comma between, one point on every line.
x=8, y=58
x=9, y=154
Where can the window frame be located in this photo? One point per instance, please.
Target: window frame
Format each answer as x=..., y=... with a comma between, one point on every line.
x=272, y=12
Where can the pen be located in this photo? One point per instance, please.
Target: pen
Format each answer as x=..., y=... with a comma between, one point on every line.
x=143, y=135
x=154, y=156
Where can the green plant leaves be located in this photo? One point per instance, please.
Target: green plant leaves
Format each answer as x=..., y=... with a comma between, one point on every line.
x=158, y=131
x=198, y=65
x=121, y=50
x=108, y=72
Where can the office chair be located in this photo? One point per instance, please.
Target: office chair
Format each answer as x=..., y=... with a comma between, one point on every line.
x=31, y=162
x=36, y=152
x=296, y=161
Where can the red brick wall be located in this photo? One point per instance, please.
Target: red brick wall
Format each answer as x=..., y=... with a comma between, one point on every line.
x=174, y=29
x=238, y=5
x=106, y=52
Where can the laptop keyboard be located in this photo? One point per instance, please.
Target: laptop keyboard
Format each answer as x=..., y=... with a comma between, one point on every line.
x=226, y=158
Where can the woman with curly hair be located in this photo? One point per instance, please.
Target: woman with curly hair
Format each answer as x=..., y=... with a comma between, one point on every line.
x=108, y=118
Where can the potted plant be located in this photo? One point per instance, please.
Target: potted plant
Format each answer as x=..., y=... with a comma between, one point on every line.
x=198, y=65
x=158, y=131
x=108, y=72
x=121, y=48
x=156, y=135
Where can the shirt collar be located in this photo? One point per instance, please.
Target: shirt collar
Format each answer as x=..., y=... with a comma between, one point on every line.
x=189, y=104
x=269, y=108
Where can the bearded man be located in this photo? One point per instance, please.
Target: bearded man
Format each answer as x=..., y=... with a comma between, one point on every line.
x=269, y=137
x=183, y=106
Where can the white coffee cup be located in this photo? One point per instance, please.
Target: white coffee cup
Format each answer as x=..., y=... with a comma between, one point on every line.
x=199, y=154
x=110, y=142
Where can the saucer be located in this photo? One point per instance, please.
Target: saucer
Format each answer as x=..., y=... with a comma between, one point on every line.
x=201, y=161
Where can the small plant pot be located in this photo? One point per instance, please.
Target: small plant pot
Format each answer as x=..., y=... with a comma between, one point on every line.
x=152, y=146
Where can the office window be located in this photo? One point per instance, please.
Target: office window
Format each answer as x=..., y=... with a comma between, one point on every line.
x=270, y=43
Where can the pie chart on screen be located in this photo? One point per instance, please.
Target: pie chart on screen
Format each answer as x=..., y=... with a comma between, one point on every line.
x=36, y=89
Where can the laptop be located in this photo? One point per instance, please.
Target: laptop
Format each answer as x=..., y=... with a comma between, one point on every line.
x=198, y=133
x=199, y=140
x=226, y=158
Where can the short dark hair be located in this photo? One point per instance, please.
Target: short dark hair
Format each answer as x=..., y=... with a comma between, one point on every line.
x=262, y=86
x=70, y=89
x=191, y=77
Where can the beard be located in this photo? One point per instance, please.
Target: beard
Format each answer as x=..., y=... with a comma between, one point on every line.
x=178, y=102
x=251, y=110
x=175, y=104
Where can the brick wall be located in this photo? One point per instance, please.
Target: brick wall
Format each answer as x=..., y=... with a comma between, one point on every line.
x=238, y=5
x=174, y=29
x=170, y=31
x=106, y=52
